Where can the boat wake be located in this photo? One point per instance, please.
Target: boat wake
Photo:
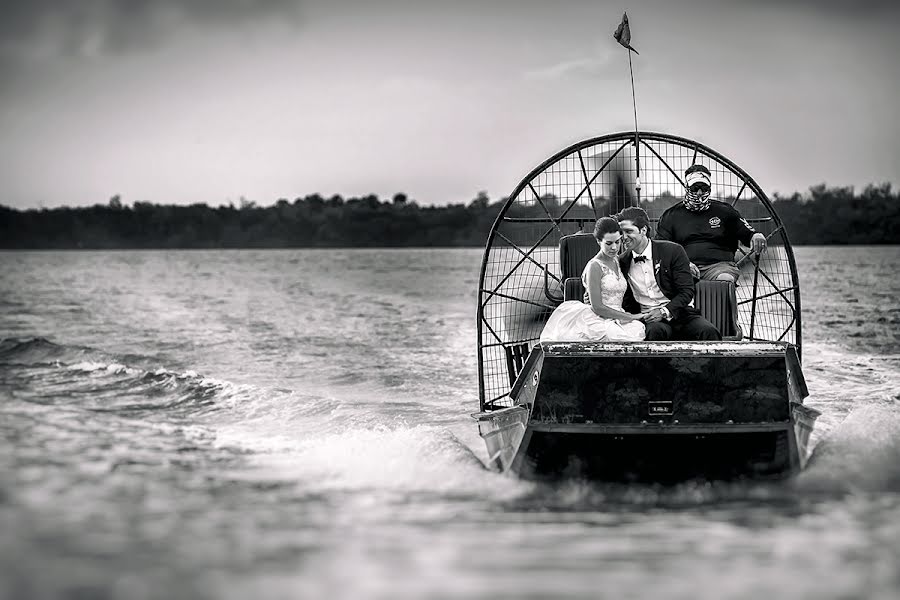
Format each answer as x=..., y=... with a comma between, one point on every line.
x=35, y=351
x=42, y=372
x=860, y=455
x=328, y=444
x=312, y=438
x=857, y=439
x=387, y=458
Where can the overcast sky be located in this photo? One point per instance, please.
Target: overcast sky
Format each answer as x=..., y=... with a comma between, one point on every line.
x=181, y=101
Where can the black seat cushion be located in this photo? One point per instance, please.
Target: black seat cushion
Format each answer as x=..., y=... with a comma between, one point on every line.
x=717, y=302
x=574, y=253
x=573, y=289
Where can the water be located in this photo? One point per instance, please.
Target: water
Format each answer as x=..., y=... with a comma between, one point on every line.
x=295, y=424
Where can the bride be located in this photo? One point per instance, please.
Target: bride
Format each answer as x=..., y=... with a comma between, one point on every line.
x=602, y=319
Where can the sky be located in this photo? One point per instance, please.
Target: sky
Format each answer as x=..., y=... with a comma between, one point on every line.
x=184, y=101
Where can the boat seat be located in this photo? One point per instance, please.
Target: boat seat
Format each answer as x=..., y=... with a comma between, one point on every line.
x=574, y=289
x=717, y=302
x=516, y=355
x=575, y=251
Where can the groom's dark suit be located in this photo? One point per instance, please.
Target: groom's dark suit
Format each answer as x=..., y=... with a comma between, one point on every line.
x=673, y=275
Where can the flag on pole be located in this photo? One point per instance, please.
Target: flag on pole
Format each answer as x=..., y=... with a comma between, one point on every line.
x=623, y=33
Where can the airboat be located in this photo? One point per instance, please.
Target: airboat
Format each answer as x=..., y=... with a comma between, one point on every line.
x=636, y=411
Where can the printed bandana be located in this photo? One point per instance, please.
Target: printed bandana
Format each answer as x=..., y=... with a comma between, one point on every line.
x=696, y=202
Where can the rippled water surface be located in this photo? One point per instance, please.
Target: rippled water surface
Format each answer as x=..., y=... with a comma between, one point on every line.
x=287, y=424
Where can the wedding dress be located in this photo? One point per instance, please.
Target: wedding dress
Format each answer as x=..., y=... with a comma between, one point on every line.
x=574, y=321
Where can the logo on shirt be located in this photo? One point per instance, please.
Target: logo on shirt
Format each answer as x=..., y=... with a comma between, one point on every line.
x=715, y=222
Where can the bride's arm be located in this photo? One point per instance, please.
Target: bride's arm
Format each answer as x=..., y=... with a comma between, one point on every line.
x=595, y=293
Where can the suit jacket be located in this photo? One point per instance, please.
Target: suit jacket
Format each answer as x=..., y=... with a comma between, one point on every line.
x=673, y=275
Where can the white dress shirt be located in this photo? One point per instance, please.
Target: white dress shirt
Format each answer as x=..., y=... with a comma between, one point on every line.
x=643, y=282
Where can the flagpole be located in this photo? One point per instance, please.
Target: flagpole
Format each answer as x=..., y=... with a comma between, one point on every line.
x=637, y=148
x=623, y=36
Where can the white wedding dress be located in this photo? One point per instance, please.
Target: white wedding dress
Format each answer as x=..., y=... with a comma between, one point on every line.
x=574, y=321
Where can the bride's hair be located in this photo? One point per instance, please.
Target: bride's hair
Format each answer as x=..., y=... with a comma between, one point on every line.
x=605, y=225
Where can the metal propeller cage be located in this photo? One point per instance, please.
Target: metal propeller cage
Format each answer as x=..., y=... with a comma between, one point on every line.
x=594, y=178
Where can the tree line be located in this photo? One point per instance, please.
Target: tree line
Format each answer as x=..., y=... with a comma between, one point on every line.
x=824, y=215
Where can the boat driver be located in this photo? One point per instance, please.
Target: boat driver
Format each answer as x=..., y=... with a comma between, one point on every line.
x=709, y=230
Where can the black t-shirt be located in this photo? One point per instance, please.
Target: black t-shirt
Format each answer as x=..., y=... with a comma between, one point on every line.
x=708, y=236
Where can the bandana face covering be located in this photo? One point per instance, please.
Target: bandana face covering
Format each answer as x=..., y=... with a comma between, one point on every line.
x=698, y=200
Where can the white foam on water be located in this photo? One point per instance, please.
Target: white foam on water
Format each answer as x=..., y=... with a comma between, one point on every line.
x=841, y=381
x=110, y=368
x=395, y=458
x=861, y=454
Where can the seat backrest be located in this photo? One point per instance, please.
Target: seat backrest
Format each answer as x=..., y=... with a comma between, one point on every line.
x=717, y=302
x=574, y=253
x=516, y=355
x=573, y=289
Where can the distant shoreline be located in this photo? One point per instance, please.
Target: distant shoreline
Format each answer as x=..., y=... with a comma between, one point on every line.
x=825, y=216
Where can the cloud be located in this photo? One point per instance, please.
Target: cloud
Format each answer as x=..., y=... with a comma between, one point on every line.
x=859, y=9
x=39, y=29
x=577, y=68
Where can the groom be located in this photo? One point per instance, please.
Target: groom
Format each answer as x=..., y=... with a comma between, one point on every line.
x=660, y=283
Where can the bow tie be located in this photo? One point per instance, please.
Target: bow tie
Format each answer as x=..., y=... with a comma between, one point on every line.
x=640, y=258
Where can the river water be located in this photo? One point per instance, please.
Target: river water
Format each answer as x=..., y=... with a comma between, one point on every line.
x=295, y=424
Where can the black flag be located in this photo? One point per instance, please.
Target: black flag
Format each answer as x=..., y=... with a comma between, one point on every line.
x=623, y=33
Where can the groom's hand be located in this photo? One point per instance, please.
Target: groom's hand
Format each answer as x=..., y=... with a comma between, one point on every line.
x=654, y=316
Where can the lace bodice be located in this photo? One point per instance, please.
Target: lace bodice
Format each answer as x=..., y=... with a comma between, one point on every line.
x=612, y=284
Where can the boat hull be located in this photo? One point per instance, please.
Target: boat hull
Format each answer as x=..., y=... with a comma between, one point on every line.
x=654, y=411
